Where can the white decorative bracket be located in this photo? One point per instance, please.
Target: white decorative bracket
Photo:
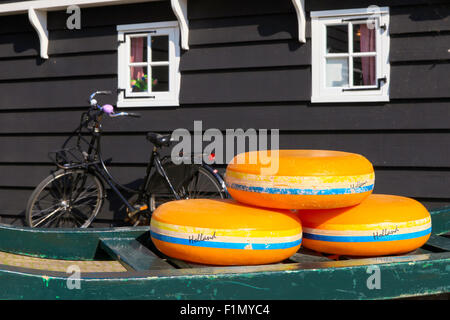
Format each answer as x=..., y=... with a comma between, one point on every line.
x=301, y=17
x=38, y=19
x=179, y=7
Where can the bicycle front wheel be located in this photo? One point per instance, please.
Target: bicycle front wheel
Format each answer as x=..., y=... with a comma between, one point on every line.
x=65, y=199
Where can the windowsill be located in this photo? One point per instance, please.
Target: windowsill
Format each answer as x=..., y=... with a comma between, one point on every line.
x=147, y=103
x=355, y=99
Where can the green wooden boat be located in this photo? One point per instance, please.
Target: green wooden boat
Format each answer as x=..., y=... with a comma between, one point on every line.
x=123, y=264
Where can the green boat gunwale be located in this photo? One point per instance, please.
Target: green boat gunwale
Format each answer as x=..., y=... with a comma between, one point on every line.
x=329, y=280
x=415, y=274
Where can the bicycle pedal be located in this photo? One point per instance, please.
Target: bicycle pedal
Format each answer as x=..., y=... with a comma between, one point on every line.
x=137, y=210
x=143, y=207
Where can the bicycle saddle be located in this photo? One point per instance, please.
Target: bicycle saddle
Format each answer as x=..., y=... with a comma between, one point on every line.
x=159, y=140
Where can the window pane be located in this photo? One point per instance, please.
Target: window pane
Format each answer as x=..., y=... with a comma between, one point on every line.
x=138, y=81
x=160, y=78
x=160, y=48
x=337, y=39
x=364, y=71
x=138, y=48
x=364, y=38
x=337, y=72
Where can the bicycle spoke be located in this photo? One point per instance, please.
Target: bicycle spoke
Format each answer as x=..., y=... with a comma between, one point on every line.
x=84, y=195
x=47, y=195
x=199, y=188
x=80, y=189
x=66, y=182
x=79, y=217
x=47, y=216
x=86, y=198
x=197, y=183
x=197, y=175
x=75, y=184
x=47, y=201
x=51, y=208
x=58, y=222
x=54, y=220
x=60, y=187
x=87, y=206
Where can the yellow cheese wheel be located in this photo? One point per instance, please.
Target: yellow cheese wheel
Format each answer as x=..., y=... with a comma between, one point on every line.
x=380, y=225
x=302, y=179
x=224, y=232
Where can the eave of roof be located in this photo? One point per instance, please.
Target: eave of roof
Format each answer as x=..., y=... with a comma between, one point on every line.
x=54, y=5
x=37, y=14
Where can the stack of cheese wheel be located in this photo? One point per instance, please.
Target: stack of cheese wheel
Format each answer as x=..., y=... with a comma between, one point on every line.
x=332, y=192
x=224, y=232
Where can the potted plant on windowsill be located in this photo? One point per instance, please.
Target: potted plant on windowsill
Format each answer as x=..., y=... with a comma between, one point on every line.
x=141, y=84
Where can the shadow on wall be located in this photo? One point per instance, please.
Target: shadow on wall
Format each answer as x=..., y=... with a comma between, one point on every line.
x=24, y=45
x=287, y=28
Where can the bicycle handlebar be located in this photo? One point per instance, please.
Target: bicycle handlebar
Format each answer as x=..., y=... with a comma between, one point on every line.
x=96, y=93
x=107, y=108
x=127, y=114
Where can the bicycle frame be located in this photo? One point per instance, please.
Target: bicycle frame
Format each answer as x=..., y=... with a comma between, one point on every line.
x=93, y=158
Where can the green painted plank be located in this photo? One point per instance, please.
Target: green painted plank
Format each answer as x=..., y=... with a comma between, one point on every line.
x=63, y=244
x=133, y=255
x=404, y=276
x=439, y=242
x=440, y=220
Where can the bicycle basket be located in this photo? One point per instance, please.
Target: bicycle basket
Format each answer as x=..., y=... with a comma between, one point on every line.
x=68, y=158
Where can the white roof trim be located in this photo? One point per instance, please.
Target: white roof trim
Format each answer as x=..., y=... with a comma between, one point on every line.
x=349, y=12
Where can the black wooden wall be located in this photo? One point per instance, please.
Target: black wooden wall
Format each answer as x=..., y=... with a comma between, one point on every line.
x=245, y=69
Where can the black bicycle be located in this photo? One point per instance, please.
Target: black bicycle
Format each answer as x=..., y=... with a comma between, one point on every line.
x=73, y=195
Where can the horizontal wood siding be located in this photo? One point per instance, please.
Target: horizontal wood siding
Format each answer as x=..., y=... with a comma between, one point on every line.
x=376, y=146
x=245, y=69
x=396, y=116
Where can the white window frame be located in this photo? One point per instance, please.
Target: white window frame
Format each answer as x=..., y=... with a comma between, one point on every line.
x=319, y=20
x=126, y=98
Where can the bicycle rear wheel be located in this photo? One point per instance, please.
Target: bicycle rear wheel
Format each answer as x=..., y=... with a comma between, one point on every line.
x=189, y=181
x=202, y=185
x=65, y=199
